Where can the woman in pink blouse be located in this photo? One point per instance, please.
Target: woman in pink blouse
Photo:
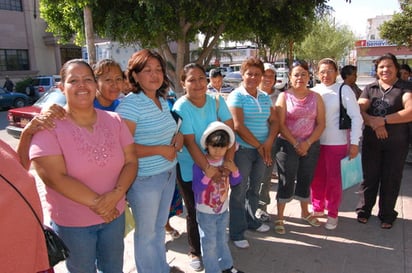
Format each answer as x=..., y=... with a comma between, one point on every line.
x=301, y=115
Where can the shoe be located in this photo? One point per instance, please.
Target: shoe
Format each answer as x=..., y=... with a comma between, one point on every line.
x=280, y=227
x=262, y=215
x=196, y=263
x=241, y=244
x=174, y=233
x=232, y=270
x=263, y=228
x=311, y=220
x=331, y=223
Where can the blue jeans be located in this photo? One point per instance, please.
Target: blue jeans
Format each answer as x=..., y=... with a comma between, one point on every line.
x=244, y=197
x=99, y=247
x=214, y=241
x=150, y=198
x=292, y=167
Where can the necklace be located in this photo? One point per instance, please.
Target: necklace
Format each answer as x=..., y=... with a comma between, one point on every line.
x=386, y=91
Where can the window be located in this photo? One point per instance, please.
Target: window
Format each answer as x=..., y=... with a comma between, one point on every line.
x=11, y=5
x=14, y=59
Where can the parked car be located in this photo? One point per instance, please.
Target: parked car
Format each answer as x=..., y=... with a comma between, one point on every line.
x=18, y=118
x=43, y=83
x=233, y=79
x=282, y=79
x=13, y=99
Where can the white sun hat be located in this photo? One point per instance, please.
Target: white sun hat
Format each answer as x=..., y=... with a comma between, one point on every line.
x=213, y=127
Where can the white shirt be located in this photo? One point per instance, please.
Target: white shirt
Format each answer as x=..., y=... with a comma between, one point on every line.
x=332, y=135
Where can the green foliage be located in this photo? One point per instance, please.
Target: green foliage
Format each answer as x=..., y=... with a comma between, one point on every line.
x=21, y=85
x=399, y=30
x=326, y=40
x=156, y=23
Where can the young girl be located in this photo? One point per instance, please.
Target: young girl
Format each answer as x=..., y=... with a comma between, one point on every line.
x=211, y=197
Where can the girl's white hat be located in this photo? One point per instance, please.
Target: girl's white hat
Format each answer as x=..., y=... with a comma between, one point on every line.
x=214, y=126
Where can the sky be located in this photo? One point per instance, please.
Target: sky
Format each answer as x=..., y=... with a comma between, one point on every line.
x=356, y=13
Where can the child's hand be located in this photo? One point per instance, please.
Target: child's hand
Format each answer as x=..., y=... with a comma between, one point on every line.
x=230, y=165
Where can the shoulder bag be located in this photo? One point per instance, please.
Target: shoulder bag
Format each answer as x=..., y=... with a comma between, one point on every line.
x=56, y=248
x=344, y=120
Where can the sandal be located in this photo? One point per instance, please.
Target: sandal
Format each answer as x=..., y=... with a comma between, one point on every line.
x=311, y=220
x=280, y=227
x=363, y=217
x=386, y=225
x=173, y=233
x=362, y=220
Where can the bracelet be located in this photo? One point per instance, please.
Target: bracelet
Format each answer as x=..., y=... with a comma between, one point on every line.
x=308, y=142
x=384, y=119
x=296, y=145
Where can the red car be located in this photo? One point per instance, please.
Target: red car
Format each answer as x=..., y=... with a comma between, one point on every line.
x=19, y=117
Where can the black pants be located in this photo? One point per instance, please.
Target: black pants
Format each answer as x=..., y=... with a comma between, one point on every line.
x=191, y=224
x=382, y=162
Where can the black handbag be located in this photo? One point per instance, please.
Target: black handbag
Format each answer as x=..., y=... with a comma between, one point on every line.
x=56, y=248
x=344, y=120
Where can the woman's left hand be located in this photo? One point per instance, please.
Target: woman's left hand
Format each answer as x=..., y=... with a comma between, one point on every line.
x=105, y=204
x=353, y=151
x=381, y=132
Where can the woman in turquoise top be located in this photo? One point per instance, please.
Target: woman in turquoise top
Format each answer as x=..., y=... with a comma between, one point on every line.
x=255, y=127
x=148, y=117
x=197, y=110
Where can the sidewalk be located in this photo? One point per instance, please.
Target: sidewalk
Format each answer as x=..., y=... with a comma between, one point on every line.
x=351, y=248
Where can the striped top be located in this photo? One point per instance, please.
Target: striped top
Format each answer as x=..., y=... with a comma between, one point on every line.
x=256, y=112
x=153, y=127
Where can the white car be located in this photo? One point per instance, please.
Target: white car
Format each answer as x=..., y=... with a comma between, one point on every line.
x=282, y=79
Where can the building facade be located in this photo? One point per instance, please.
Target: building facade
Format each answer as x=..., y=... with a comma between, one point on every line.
x=26, y=49
x=367, y=51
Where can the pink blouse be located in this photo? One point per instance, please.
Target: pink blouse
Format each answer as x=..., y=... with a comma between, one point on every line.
x=301, y=115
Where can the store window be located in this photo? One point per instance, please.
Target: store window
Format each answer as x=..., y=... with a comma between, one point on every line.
x=11, y=5
x=14, y=60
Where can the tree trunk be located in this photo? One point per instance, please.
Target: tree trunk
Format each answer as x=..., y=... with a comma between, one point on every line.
x=89, y=33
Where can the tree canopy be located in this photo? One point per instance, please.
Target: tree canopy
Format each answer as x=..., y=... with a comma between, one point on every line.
x=399, y=29
x=326, y=39
x=174, y=24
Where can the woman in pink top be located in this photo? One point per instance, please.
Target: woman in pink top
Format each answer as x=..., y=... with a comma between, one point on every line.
x=23, y=247
x=302, y=120
x=87, y=162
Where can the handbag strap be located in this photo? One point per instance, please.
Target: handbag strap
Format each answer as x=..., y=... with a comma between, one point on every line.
x=340, y=95
x=24, y=198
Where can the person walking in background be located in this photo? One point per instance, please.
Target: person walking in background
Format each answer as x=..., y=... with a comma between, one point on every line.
x=335, y=144
x=87, y=163
x=146, y=113
x=198, y=109
x=386, y=106
x=256, y=127
x=349, y=76
x=211, y=198
x=267, y=85
x=8, y=84
x=216, y=84
x=405, y=72
x=301, y=115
